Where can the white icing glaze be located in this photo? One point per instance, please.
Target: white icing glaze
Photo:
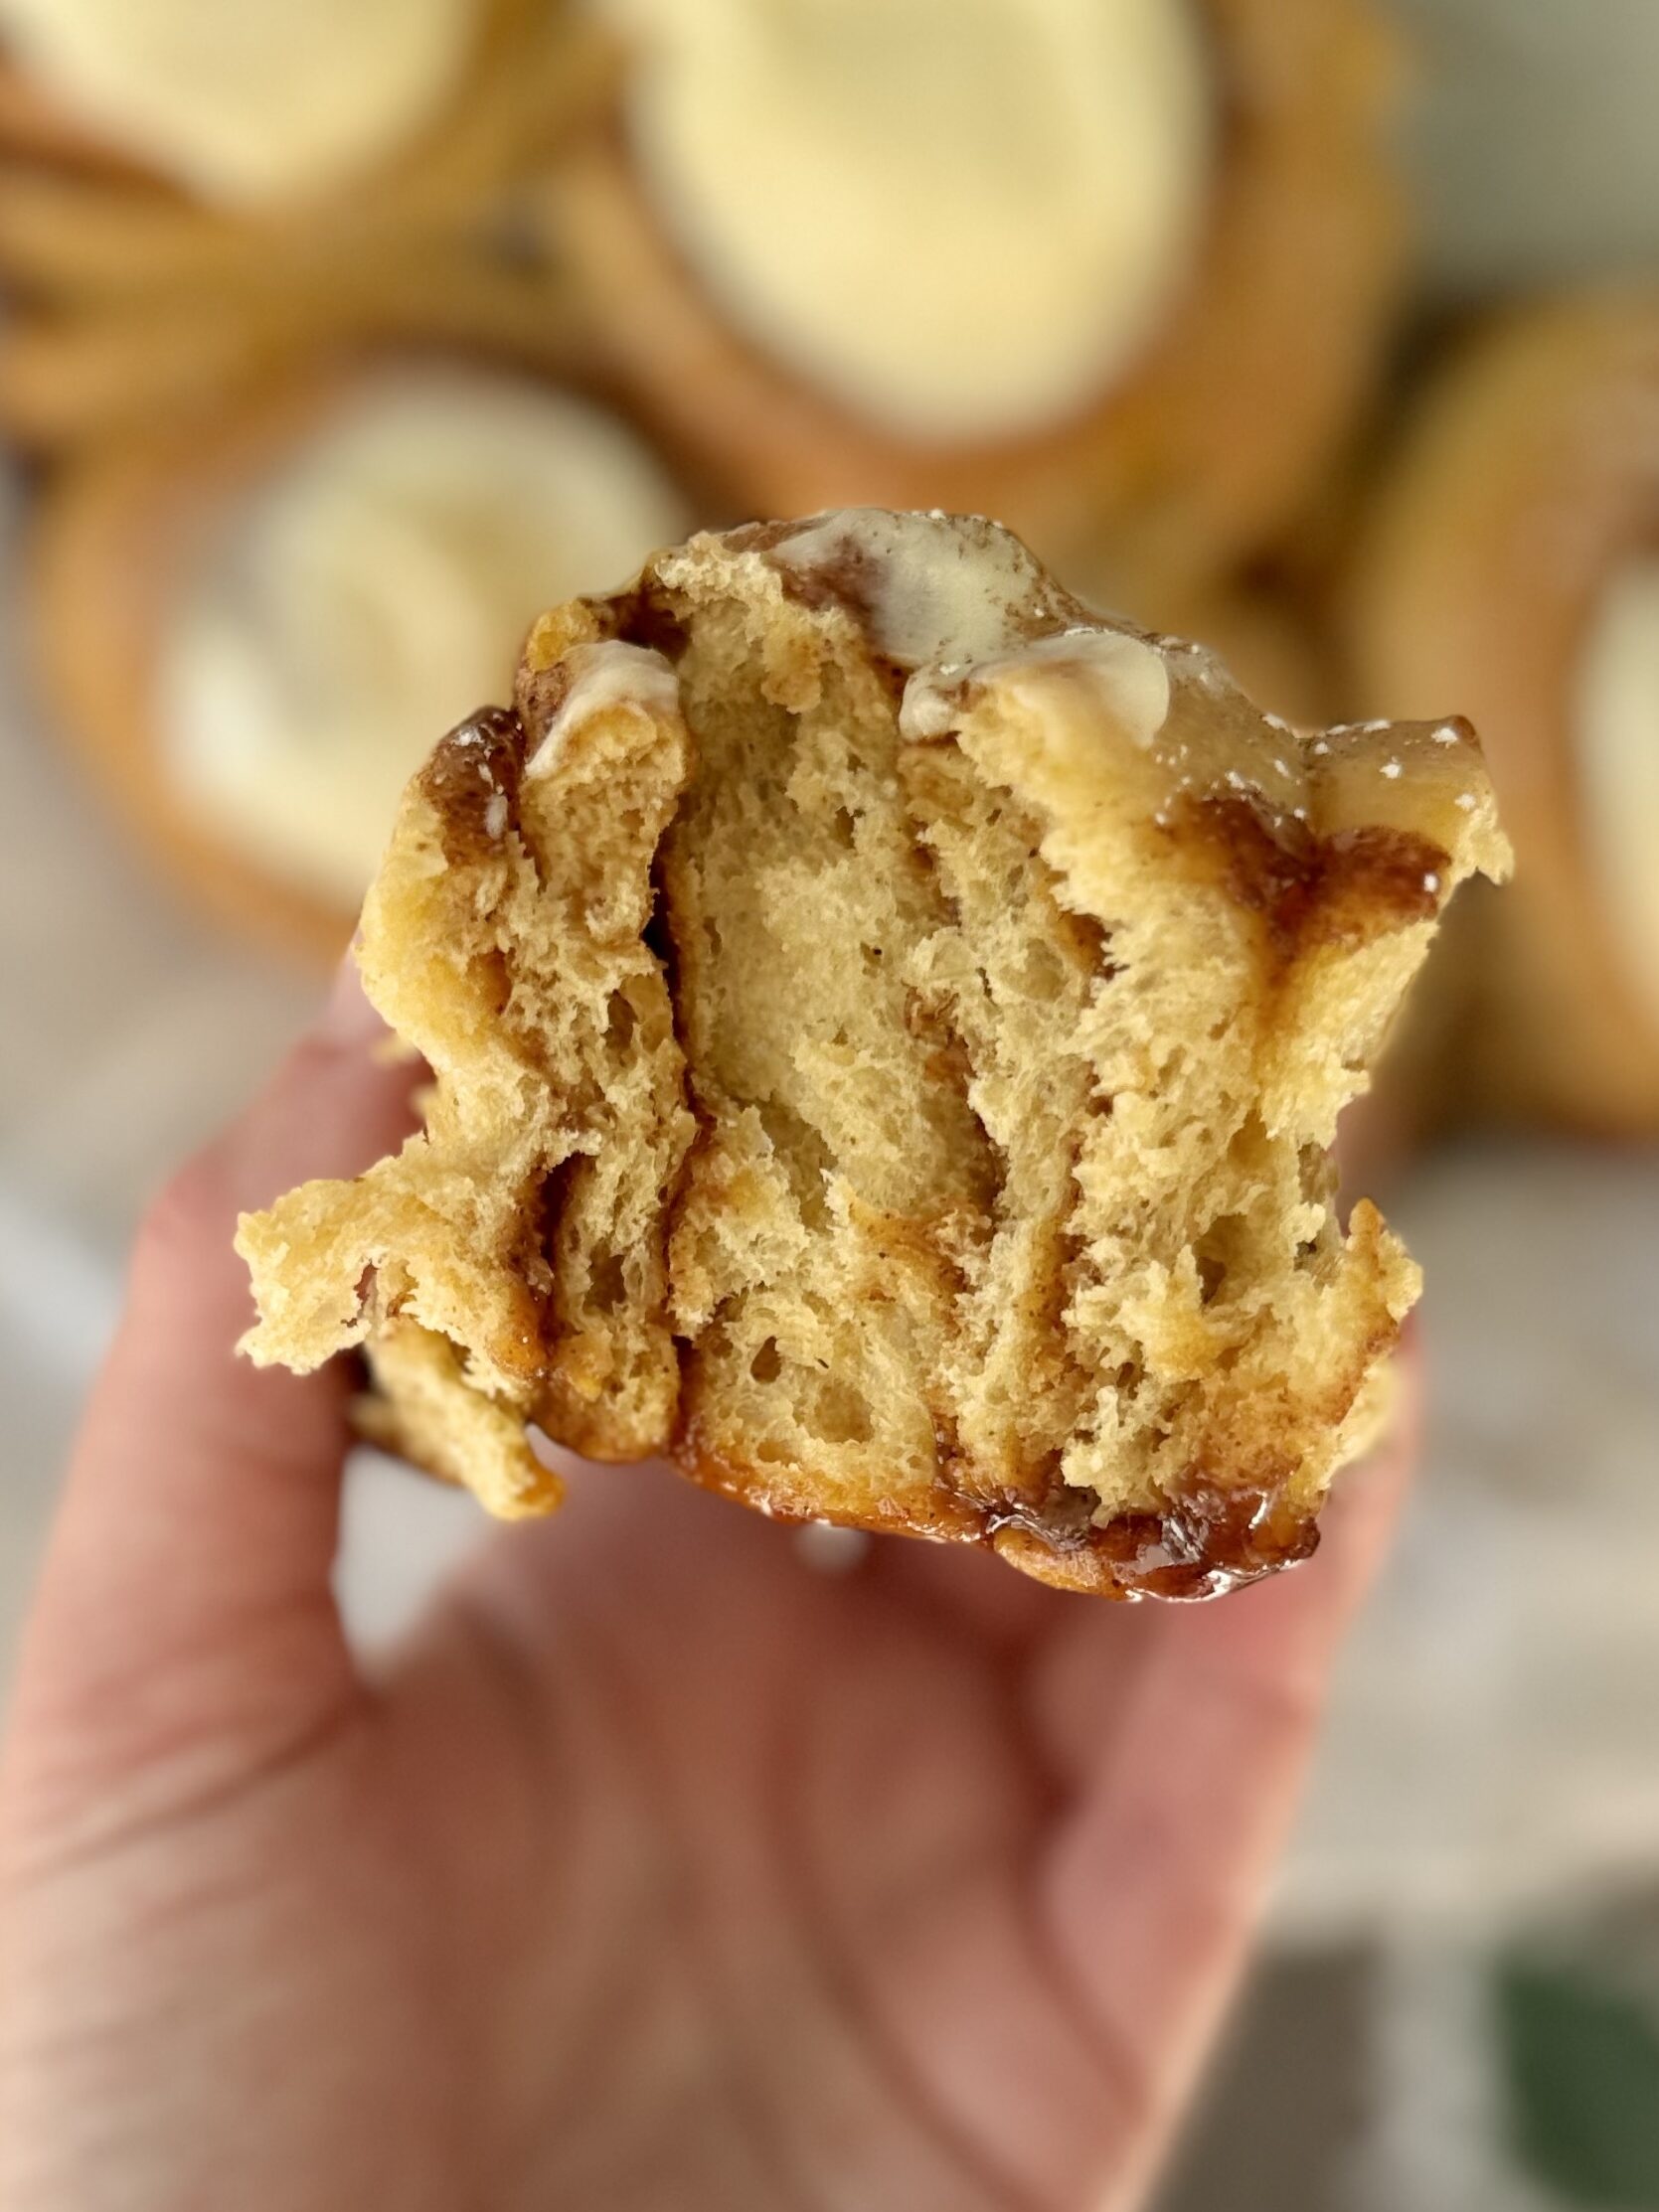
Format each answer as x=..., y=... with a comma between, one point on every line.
x=1617, y=716
x=603, y=676
x=248, y=100
x=931, y=587
x=1124, y=679
x=376, y=590
x=960, y=606
x=963, y=218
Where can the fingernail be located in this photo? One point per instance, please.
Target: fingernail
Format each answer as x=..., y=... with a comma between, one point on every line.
x=348, y=1019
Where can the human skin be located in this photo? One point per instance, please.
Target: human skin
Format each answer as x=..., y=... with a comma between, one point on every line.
x=651, y=1871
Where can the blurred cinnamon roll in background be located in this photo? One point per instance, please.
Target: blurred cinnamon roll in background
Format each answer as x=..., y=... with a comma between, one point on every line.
x=1112, y=270
x=249, y=105
x=1511, y=564
x=195, y=199
x=249, y=624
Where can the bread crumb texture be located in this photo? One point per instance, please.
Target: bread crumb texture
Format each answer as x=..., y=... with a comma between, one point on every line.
x=888, y=1025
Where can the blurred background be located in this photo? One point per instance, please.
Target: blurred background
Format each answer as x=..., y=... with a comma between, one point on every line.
x=337, y=341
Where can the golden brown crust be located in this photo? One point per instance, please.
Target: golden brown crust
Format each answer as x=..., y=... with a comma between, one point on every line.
x=1201, y=451
x=1207, y=1541
x=1523, y=481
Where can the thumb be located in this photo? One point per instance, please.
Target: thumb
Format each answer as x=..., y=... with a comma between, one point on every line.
x=184, y=1616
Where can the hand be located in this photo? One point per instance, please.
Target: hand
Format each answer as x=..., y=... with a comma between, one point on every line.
x=654, y=1870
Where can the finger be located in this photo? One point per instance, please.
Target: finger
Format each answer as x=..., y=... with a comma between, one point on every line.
x=189, y=1567
x=1154, y=1883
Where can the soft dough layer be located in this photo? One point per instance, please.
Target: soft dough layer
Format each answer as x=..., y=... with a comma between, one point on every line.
x=888, y=1025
